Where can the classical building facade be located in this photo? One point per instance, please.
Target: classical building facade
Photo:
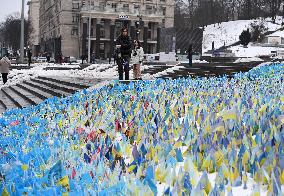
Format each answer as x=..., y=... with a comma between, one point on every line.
x=64, y=24
x=33, y=15
x=55, y=28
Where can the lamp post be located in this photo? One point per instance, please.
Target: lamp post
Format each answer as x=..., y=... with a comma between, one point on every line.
x=22, y=33
x=89, y=32
x=138, y=25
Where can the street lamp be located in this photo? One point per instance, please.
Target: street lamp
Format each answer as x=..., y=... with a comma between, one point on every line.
x=22, y=32
x=89, y=40
x=138, y=25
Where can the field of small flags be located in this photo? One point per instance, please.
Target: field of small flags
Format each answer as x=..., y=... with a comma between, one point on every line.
x=201, y=136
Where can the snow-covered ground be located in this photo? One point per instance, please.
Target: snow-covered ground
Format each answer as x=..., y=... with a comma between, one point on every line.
x=227, y=33
x=249, y=59
x=252, y=51
x=102, y=71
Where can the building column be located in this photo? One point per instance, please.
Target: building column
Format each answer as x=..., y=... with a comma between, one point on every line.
x=84, y=39
x=112, y=28
x=145, y=36
x=158, y=39
x=98, y=38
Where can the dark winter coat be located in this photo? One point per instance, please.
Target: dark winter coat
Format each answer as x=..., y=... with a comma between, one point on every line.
x=126, y=44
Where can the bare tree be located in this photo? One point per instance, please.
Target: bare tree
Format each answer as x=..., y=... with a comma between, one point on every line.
x=274, y=6
x=11, y=31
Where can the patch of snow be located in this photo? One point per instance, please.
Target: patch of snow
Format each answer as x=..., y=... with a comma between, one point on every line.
x=227, y=33
x=251, y=51
x=195, y=61
x=249, y=59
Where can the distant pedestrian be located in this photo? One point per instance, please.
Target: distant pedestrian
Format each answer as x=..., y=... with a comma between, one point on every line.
x=137, y=56
x=109, y=58
x=17, y=59
x=29, y=57
x=114, y=56
x=5, y=64
x=93, y=58
x=189, y=55
x=123, y=53
x=61, y=58
x=48, y=57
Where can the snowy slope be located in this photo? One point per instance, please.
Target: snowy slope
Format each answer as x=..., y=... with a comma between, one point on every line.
x=228, y=32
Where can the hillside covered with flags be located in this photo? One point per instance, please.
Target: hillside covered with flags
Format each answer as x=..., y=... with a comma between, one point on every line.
x=201, y=136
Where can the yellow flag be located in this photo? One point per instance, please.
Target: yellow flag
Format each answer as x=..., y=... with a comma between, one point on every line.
x=245, y=158
x=207, y=187
x=64, y=182
x=5, y=192
x=65, y=194
x=229, y=115
x=226, y=172
x=25, y=167
x=207, y=164
x=178, y=144
x=42, y=167
x=207, y=128
x=219, y=157
x=282, y=177
x=131, y=168
x=220, y=128
x=281, y=119
x=262, y=108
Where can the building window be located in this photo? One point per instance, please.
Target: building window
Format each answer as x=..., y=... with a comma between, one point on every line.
x=74, y=31
x=102, y=5
x=75, y=6
x=102, y=22
x=118, y=26
x=113, y=5
x=102, y=31
x=102, y=46
x=164, y=10
x=149, y=7
x=163, y=22
x=163, y=0
x=126, y=7
x=149, y=34
x=75, y=18
x=136, y=6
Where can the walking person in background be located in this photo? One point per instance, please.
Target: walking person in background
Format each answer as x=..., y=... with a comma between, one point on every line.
x=93, y=58
x=123, y=53
x=29, y=57
x=189, y=55
x=60, y=58
x=137, y=56
x=48, y=57
x=109, y=58
x=5, y=64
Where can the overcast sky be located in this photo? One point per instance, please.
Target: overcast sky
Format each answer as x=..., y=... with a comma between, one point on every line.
x=8, y=7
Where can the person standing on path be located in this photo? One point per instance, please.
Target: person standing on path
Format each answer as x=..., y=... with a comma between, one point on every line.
x=137, y=56
x=189, y=55
x=29, y=57
x=123, y=45
x=5, y=64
